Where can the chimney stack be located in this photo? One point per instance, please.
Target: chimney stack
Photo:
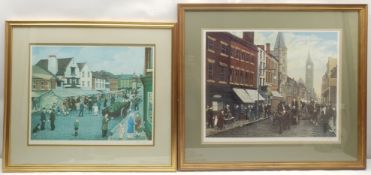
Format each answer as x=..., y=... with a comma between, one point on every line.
x=249, y=37
x=53, y=64
x=268, y=48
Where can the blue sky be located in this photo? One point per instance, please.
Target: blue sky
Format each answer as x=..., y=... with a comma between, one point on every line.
x=115, y=59
x=320, y=44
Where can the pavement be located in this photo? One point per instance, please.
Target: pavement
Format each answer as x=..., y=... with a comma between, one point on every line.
x=236, y=124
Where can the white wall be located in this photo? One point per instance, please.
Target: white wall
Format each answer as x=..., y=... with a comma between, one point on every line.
x=116, y=10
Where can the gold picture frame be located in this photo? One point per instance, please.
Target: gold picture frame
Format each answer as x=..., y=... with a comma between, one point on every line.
x=193, y=19
x=166, y=159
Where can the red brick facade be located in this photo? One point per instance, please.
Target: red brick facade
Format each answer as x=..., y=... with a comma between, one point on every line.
x=231, y=62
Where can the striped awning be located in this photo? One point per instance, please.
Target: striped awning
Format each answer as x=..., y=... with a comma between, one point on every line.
x=242, y=94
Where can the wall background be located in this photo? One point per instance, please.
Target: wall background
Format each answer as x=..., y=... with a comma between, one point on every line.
x=124, y=10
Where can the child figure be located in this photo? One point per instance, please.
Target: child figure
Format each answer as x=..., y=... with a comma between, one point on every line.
x=121, y=131
x=76, y=126
x=95, y=109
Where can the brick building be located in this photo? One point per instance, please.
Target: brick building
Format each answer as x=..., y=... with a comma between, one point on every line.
x=231, y=64
x=42, y=80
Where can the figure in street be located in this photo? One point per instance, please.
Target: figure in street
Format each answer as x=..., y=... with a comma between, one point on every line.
x=52, y=120
x=120, y=131
x=76, y=125
x=105, y=121
x=43, y=119
x=209, y=115
x=131, y=125
x=81, y=113
x=95, y=109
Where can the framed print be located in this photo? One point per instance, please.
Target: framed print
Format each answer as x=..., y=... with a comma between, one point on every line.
x=272, y=86
x=88, y=93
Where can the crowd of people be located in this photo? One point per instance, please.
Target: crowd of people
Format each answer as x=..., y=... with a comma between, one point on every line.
x=80, y=106
x=283, y=115
x=219, y=118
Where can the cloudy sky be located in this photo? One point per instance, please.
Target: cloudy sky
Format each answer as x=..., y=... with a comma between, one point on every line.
x=320, y=44
x=115, y=59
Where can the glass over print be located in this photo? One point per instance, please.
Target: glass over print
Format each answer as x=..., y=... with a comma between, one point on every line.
x=271, y=85
x=88, y=92
x=85, y=94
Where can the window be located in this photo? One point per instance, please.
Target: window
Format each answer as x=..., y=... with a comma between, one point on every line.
x=88, y=74
x=241, y=77
x=88, y=85
x=249, y=78
x=73, y=70
x=232, y=76
x=223, y=74
x=83, y=83
x=42, y=85
x=233, y=53
x=210, y=44
x=33, y=84
x=235, y=76
x=209, y=71
x=83, y=74
x=224, y=49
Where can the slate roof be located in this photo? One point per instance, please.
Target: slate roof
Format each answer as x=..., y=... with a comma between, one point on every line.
x=38, y=72
x=62, y=64
x=81, y=65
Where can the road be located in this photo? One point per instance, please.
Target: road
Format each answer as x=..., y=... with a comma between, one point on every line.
x=265, y=128
x=90, y=126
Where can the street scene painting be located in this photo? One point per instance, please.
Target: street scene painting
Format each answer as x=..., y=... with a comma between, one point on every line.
x=91, y=95
x=270, y=86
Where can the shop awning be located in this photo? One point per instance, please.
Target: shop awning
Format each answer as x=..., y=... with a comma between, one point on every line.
x=276, y=94
x=242, y=94
x=254, y=95
x=63, y=93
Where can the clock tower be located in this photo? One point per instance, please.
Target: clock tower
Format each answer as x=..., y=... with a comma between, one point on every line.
x=309, y=73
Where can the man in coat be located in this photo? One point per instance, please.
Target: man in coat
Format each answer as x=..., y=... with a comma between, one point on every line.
x=209, y=117
x=81, y=109
x=281, y=110
x=76, y=126
x=295, y=109
x=105, y=125
x=52, y=119
x=43, y=119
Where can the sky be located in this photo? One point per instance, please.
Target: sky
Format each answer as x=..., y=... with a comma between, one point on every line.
x=114, y=59
x=320, y=44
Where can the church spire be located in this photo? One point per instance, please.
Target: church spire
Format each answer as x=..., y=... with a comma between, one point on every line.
x=280, y=41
